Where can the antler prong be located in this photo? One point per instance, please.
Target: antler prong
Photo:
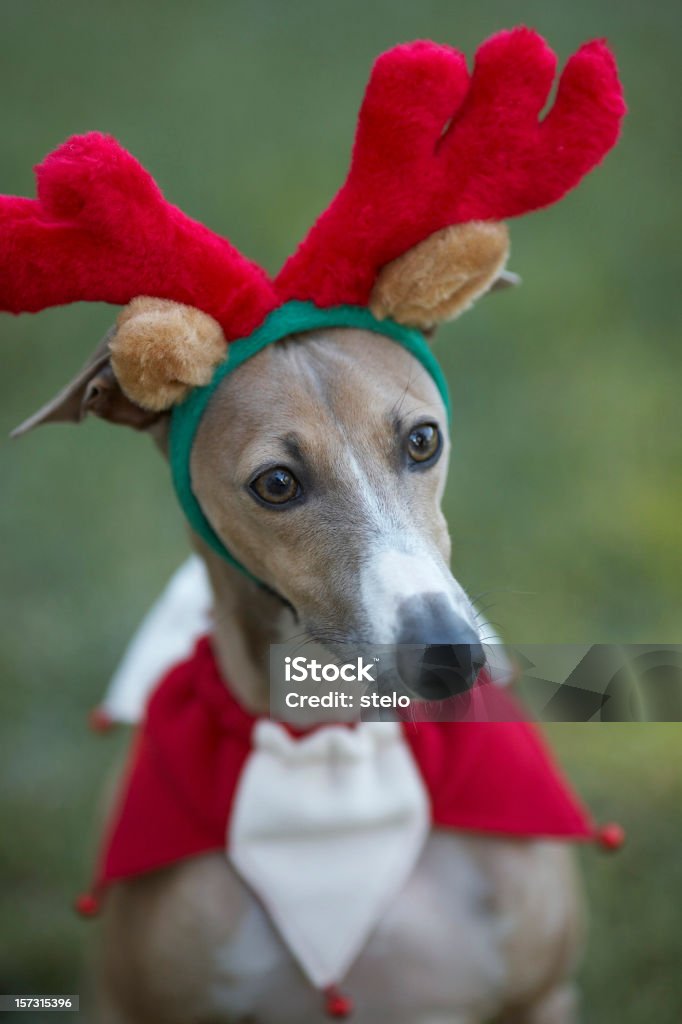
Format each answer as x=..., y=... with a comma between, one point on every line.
x=101, y=230
x=431, y=153
x=434, y=149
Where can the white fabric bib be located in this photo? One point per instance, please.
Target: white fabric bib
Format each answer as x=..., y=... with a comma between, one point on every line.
x=326, y=829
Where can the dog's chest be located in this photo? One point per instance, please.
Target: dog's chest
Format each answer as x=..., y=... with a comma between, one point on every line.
x=332, y=835
x=326, y=830
x=438, y=946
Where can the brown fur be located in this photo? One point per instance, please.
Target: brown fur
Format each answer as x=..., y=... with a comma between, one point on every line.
x=165, y=937
x=441, y=277
x=161, y=349
x=337, y=392
x=94, y=390
x=484, y=927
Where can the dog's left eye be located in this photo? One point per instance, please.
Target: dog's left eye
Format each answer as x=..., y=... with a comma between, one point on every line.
x=276, y=486
x=424, y=443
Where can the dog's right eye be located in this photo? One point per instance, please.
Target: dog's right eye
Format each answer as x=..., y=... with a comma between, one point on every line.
x=276, y=486
x=424, y=444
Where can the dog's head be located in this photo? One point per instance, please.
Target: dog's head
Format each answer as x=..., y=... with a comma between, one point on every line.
x=318, y=463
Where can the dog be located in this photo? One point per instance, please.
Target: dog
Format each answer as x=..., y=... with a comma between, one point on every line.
x=173, y=940
x=312, y=476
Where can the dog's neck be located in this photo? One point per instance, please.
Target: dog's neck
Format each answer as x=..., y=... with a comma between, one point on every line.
x=247, y=618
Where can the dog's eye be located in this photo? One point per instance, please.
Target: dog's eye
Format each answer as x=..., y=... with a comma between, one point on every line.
x=276, y=486
x=424, y=443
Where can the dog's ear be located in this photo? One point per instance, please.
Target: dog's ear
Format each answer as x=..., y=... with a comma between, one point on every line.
x=146, y=363
x=93, y=390
x=442, y=276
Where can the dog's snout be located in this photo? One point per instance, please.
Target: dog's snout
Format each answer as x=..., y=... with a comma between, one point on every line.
x=439, y=653
x=448, y=669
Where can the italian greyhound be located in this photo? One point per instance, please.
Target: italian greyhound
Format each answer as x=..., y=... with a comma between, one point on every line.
x=367, y=553
x=312, y=476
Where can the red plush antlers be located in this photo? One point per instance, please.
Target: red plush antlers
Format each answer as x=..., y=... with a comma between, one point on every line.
x=436, y=148
x=100, y=230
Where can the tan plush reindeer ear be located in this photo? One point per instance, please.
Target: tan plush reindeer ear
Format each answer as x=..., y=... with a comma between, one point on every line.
x=162, y=349
x=145, y=364
x=442, y=276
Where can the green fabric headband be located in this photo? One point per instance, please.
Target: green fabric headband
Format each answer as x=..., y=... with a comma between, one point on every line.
x=291, y=318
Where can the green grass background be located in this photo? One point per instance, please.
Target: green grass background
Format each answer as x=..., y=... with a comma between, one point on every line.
x=565, y=488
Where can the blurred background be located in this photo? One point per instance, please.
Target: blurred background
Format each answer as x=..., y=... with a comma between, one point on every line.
x=565, y=493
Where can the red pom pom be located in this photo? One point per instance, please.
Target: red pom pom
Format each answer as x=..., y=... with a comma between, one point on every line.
x=87, y=905
x=336, y=1004
x=100, y=720
x=611, y=837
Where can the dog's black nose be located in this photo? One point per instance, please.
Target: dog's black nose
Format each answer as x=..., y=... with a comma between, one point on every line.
x=448, y=669
x=439, y=654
